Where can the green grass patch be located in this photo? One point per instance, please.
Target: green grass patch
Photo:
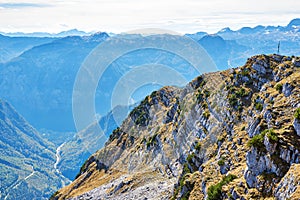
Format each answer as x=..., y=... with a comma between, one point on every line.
x=214, y=192
x=190, y=157
x=245, y=72
x=297, y=113
x=272, y=136
x=278, y=87
x=259, y=106
x=198, y=146
x=242, y=92
x=221, y=162
x=152, y=141
x=232, y=99
x=257, y=141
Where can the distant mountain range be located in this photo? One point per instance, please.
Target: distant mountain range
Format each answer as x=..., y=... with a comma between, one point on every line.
x=39, y=81
x=72, y=32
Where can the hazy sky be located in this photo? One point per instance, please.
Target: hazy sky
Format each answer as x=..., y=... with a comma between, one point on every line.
x=124, y=15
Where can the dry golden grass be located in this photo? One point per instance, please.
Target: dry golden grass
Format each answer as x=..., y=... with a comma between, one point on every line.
x=82, y=185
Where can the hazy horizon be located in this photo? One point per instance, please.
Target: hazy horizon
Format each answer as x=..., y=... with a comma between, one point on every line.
x=112, y=16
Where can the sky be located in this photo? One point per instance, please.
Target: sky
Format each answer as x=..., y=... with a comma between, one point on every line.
x=183, y=16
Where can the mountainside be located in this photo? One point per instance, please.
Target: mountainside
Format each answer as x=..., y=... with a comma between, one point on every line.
x=39, y=82
x=225, y=53
x=86, y=142
x=27, y=161
x=233, y=134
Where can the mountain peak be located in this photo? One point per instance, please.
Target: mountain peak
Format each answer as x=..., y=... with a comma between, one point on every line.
x=225, y=30
x=294, y=22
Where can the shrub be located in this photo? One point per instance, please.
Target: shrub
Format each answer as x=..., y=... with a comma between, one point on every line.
x=142, y=119
x=154, y=93
x=214, y=192
x=268, y=175
x=242, y=92
x=232, y=99
x=152, y=141
x=190, y=157
x=143, y=140
x=245, y=72
x=221, y=162
x=186, y=169
x=257, y=140
x=278, y=87
x=297, y=113
x=115, y=134
x=272, y=136
x=202, y=83
x=198, y=146
x=220, y=139
x=230, y=88
x=259, y=106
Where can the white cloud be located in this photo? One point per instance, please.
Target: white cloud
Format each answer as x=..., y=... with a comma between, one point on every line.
x=21, y=5
x=124, y=15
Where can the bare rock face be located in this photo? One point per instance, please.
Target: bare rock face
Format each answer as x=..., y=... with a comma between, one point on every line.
x=256, y=165
x=253, y=127
x=270, y=147
x=259, y=67
x=226, y=135
x=296, y=125
x=287, y=89
x=151, y=190
x=296, y=62
x=289, y=184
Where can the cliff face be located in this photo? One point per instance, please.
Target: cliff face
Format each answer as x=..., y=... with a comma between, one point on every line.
x=227, y=135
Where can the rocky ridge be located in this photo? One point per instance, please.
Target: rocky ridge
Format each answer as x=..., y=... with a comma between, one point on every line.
x=227, y=135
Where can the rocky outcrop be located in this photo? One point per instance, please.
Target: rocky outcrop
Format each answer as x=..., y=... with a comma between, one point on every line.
x=296, y=125
x=288, y=185
x=287, y=89
x=256, y=165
